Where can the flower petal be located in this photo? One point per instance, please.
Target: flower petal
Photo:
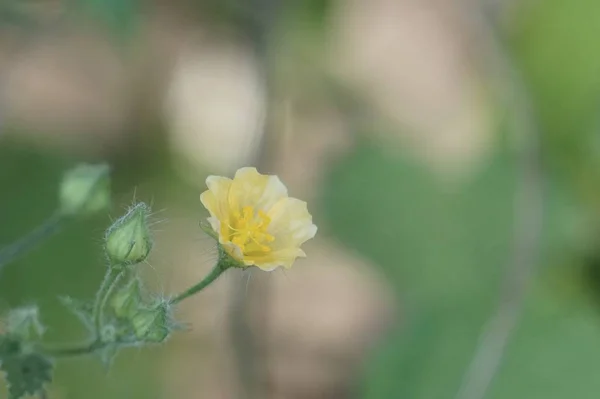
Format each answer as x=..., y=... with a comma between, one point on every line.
x=215, y=201
x=273, y=260
x=291, y=223
x=250, y=188
x=215, y=198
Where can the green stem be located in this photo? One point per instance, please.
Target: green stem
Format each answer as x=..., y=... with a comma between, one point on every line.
x=109, y=291
x=49, y=227
x=212, y=276
x=88, y=348
x=111, y=278
x=77, y=350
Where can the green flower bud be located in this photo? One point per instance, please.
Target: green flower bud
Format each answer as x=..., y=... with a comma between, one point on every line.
x=25, y=323
x=128, y=240
x=85, y=189
x=153, y=324
x=127, y=300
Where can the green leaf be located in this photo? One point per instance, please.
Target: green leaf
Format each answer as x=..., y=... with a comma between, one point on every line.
x=9, y=346
x=26, y=372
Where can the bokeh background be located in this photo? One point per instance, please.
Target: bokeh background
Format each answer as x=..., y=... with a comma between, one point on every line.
x=449, y=151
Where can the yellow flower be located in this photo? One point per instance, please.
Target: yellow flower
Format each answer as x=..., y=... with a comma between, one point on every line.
x=255, y=220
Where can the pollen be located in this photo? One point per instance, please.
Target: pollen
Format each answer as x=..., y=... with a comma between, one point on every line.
x=248, y=230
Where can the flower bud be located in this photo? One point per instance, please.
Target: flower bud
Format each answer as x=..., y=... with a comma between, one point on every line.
x=25, y=323
x=153, y=324
x=85, y=189
x=128, y=240
x=127, y=300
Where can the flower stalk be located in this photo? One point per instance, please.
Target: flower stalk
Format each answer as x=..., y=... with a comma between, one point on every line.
x=111, y=282
x=76, y=350
x=219, y=268
x=83, y=349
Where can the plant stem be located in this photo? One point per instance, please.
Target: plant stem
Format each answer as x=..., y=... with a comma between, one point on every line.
x=77, y=350
x=33, y=238
x=111, y=278
x=219, y=268
x=83, y=349
x=87, y=348
x=107, y=295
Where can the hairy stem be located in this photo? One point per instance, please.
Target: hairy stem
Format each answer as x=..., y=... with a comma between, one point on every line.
x=219, y=268
x=107, y=295
x=76, y=350
x=111, y=278
x=49, y=227
x=86, y=348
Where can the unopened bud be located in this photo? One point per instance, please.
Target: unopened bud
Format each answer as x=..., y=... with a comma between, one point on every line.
x=153, y=324
x=127, y=300
x=25, y=323
x=128, y=240
x=85, y=189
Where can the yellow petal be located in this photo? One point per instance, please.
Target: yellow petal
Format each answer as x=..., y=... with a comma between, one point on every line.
x=250, y=188
x=215, y=198
x=291, y=223
x=215, y=201
x=272, y=260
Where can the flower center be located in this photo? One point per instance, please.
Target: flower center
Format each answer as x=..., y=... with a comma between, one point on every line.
x=249, y=232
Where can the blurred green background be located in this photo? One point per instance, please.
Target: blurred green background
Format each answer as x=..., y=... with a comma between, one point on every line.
x=440, y=244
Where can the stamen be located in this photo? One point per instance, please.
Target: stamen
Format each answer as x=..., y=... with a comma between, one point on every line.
x=245, y=228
